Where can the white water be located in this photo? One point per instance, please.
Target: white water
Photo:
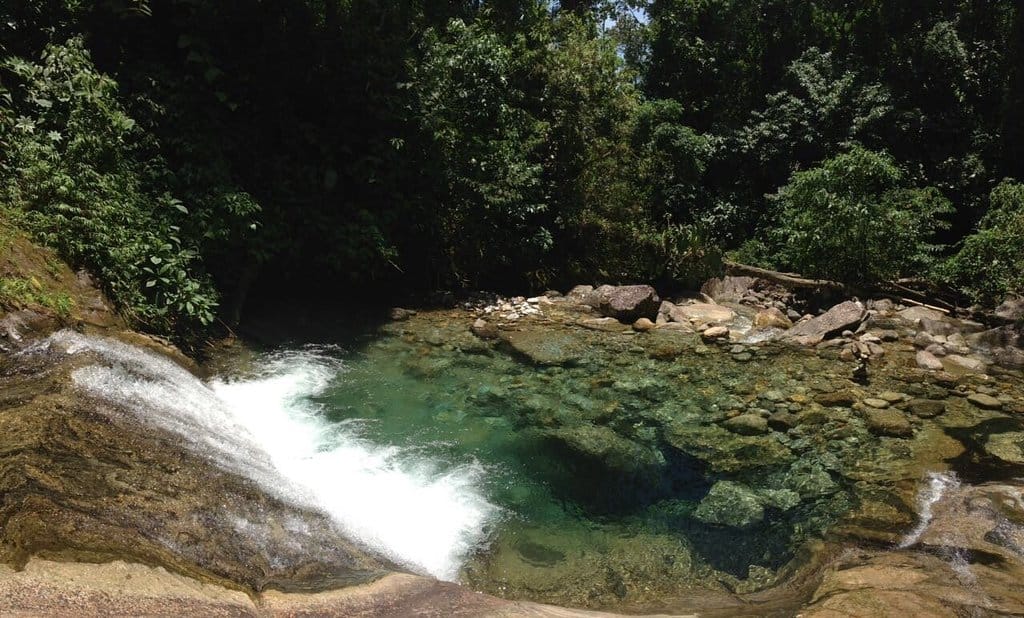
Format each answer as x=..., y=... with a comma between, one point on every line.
x=267, y=429
x=937, y=487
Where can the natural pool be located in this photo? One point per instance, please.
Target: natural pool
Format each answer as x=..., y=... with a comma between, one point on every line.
x=620, y=469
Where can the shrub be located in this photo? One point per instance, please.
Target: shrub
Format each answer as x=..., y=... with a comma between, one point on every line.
x=990, y=263
x=69, y=171
x=854, y=219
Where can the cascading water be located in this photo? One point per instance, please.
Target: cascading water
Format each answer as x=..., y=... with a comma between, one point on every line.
x=938, y=485
x=268, y=429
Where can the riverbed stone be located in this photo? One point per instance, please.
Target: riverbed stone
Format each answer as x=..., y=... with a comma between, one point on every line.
x=985, y=402
x=966, y=363
x=915, y=314
x=747, y=424
x=1008, y=447
x=730, y=504
x=837, y=399
x=643, y=325
x=703, y=313
x=714, y=333
x=484, y=329
x=926, y=408
x=544, y=347
x=874, y=402
x=772, y=318
x=844, y=316
x=888, y=422
x=927, y=360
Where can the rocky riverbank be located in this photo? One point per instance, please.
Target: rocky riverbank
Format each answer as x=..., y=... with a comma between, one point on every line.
x=853, y=460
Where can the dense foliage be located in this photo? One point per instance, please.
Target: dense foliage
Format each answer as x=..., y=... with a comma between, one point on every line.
x=189, y=150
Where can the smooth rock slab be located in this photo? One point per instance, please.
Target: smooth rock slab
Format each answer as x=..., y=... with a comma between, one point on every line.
x=985, y=402
x=544, y=347
x=1008, y=447
x=888, y=422
x=703, y=313
x=846, y=315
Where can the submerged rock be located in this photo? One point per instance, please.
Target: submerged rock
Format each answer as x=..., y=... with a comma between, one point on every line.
x=747, y=424
x=1008, y=447
x=888, y=422
x=985, y=402
x=730, y=504
x=543, y=347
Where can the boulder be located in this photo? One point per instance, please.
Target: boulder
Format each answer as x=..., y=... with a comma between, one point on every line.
x=730, y=504
x=628, y=303
x=888, y=422
x=1011, y=309
x=747, y=425
x=846, y=315
x=580, y=293
x=942, y=328
x=728, y=289
x=703, y=313
x=772, y=318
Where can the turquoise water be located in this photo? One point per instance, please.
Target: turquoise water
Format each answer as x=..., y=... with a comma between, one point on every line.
x=614, y=479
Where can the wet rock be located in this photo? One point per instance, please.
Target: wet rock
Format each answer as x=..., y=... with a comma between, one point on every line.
x=605, y=446
x=841, y=317
x=888, y=422
x=985, y=402
x=484, y=329
x=926, y=408
x=772, y=318
x=966, y=363
x=714, y=333
x=927, y=360
x=728, y=289
x=837, y=399
x=628, y=303
x=747, y=425
x=892, y=396
x=1008, y=447
x=703, y=313
x=643, y=325
x=782, y=421
x=544, y=347
x=730, y=504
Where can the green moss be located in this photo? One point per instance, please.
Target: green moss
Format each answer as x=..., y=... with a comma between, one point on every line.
x=22, y=292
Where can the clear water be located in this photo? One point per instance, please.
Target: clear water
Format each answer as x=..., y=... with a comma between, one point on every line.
x=580, y=485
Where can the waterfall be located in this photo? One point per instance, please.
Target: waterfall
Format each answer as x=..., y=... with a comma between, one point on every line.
x=416, y=511
x=937, y=486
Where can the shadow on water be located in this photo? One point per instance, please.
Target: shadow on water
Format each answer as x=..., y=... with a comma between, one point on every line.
x=975, y=464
